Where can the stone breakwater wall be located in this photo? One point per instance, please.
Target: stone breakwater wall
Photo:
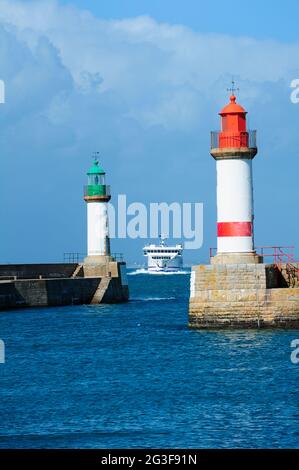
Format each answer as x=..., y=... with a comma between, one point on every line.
x=47, y=285
x=243, y=296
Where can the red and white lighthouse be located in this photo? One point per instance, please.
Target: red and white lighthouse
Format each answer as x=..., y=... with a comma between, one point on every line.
x=234, y=148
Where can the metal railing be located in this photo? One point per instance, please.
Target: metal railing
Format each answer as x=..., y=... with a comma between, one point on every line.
x=73, y=257
x=97, y=190
x=285, y=263
x=219, y=139
x=79, y=257
x=278, y=254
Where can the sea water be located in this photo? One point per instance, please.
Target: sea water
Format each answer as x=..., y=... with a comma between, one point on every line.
x=133, y=375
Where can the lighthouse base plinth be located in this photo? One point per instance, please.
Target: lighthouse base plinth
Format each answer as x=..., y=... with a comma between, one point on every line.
x=98, y=259
x=237, y=258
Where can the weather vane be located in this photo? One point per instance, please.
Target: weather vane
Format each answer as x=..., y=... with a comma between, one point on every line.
x=95, y=155
x=233, y=88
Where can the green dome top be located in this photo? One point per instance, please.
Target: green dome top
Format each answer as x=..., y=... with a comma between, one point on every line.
x=95, y=169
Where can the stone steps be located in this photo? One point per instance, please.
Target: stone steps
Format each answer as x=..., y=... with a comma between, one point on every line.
x=101, y=290
x=77, y=270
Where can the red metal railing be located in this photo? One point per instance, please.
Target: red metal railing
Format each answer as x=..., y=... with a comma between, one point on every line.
x=283, y=258
x=279, y=254
x=220, y=139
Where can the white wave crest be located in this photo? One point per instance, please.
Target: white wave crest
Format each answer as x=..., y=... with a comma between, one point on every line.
x=150, y=299
x=157, y=273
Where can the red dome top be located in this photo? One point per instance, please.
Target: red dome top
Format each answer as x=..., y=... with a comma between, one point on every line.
x=232, y=108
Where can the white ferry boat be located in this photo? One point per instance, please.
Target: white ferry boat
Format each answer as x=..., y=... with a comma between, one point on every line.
x=163, y=257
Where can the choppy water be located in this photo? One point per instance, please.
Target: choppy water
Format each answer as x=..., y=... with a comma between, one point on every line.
x=134, y=375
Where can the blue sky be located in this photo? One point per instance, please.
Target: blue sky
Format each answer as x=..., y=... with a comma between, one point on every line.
x=142, y=82
x=260, y=19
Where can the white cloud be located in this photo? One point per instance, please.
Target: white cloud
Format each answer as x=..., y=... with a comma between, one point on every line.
x=158, y=69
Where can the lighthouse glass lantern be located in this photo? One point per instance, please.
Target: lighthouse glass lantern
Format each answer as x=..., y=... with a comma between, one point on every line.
x=96, y=185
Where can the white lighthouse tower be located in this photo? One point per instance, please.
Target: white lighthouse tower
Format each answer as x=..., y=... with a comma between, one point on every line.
x=234, y=148
x=97, y=196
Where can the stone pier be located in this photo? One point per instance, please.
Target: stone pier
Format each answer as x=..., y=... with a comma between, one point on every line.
x=244, y=296
x=44, y=285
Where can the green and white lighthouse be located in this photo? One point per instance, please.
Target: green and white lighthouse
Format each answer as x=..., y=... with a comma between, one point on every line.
x=97, y=195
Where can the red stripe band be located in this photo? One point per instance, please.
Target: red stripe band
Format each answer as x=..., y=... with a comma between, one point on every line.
x=234, y=229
